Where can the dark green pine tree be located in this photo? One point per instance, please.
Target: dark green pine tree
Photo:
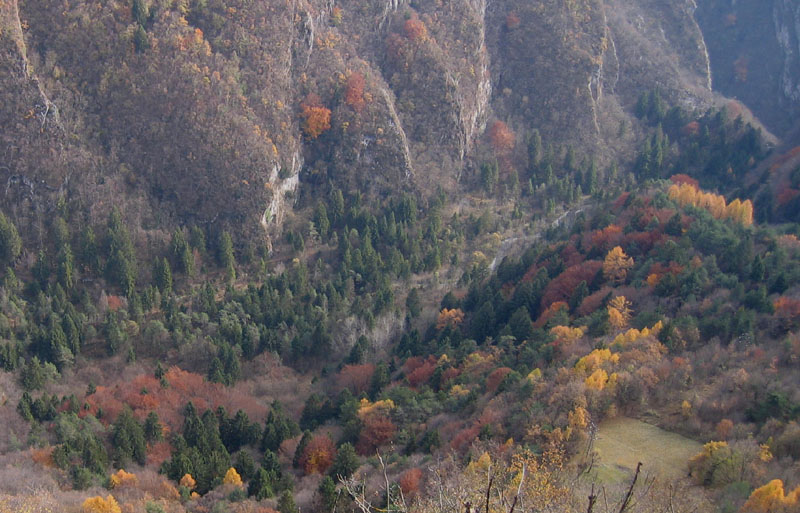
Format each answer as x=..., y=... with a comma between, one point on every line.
x=128, y=440
x=260, y=486
x=337, y=207
x=32, y=376
x=237, y=431
x=162, y=276
x=89, y=255
x=66, y=267
x=327, y=493
x=578, y=295
x=58, y=350
x=380, y=378
x=301, y=446
x=277, y=428
x=141, y=41
x=286, y=503
x=181, y=253
x=346, y=462
x=153, y=430
x=140, y=12
x=225, y=257
x=72, y=333
x=321, y=220
x=10, y=241
x=121, y=265
x=244, y=464
x=271, y=464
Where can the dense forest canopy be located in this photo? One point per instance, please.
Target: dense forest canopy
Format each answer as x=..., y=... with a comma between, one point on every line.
x=412, y=257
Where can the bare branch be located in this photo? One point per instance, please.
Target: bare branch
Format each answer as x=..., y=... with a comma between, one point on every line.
x=489, y=489
x=519, y=488
x=627, y=499
x=356, y=492
x=592, y=500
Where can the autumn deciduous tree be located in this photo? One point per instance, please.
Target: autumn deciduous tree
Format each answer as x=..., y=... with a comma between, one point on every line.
x=377, y=431
x=688, y=194
x=232, y=477
x=122, y=478
x=101, y=505
x=599, y=379
x=316, y=117
x=607, y=237
x=617, y=264
x=318, y=455
x=409, y=482
x=501, y=138
x=415, y=29
x=188, y=481
x=512, y=21
x=717, y=464
x=771, y=498
x=563, y=286
x=495, y=378
x=593, y=360
x=449, y=317
x=549, y=312
x=354, y=91
x=566, y=335
x=681, y=178
x=723, y=428
x=356, y=378
x=619, y=312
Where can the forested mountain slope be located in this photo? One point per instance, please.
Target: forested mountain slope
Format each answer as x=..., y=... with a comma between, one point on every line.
x=396, y=256
x=210, y=111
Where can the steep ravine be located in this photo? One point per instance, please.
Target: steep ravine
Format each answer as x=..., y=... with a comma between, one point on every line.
x=754, y=49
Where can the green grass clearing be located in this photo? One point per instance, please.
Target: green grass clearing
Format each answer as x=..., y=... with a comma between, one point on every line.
x=623, y=442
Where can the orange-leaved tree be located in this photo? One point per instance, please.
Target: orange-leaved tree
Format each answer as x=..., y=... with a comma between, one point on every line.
x=188, y=481
x=316, y=117
x=415, y=29
x=449, y=317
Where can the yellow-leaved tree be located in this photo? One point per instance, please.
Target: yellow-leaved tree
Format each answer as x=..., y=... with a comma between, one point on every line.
x=771, y=498
x=122, y=478
x=619, y=312
x=101, y=505
x=232, y=477
x=616, y=265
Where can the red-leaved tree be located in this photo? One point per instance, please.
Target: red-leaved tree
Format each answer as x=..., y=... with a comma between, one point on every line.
x=501, y=138
x=318, y=455
x=354, y=91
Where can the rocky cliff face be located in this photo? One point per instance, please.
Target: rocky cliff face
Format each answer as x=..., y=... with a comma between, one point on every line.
x=573, y=69
x=755, y=55
x=199, y=111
